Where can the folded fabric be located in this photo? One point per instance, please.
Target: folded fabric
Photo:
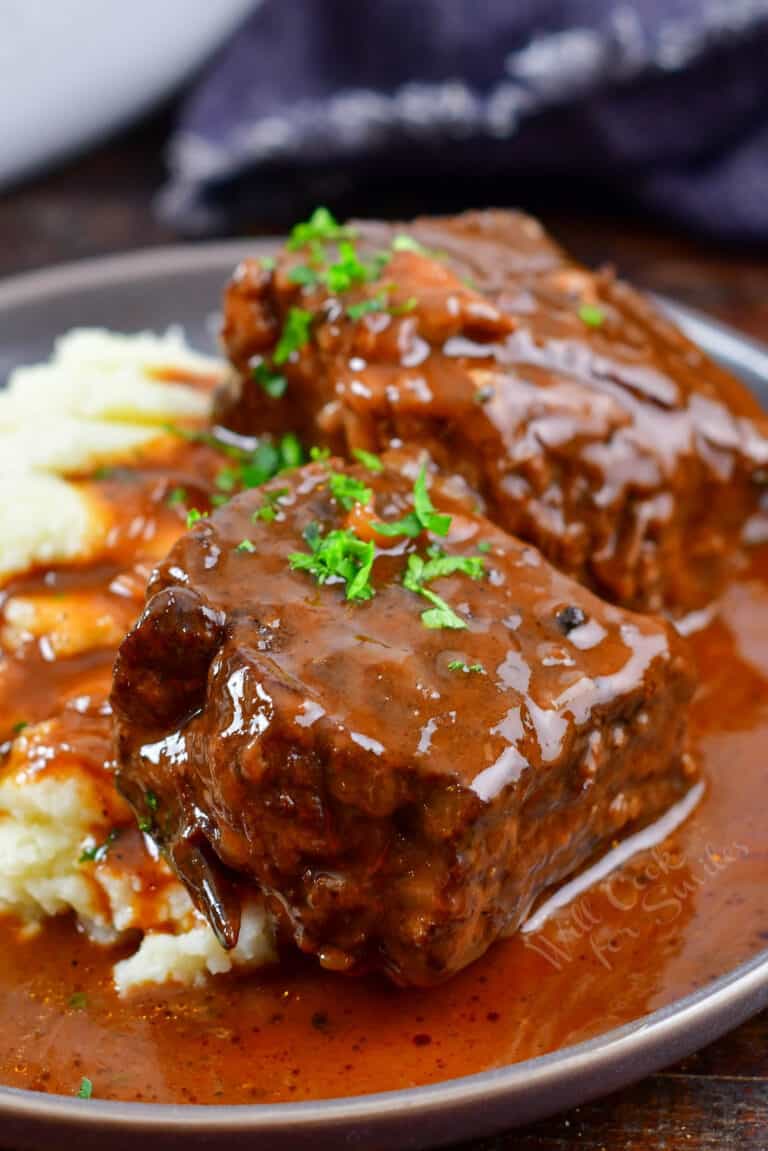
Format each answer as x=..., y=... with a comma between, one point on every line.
x=352, y=101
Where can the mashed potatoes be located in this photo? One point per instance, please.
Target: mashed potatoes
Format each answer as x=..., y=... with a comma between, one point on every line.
x=103, y=399
x=68, y=842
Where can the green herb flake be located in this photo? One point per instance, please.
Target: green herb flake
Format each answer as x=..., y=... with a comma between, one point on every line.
x=268, y=263
x=409, y=526
x=291, y=452
x=467, y=668
x=349, y=269
x=266, y=513
x=268, y=510
x=403, y=308
x=484, y=546
x=19, y=727
x=430, y=519
x=273, y=383
x=78, y=1001
x=294, y=336
x=317, y=455
x=368, y=307
x=246, y=546
x=339, y=556
x=368, y=460
x=405, y=243
x=348, y=491
x=591, y=315
x=424, y=517
x=420, y=572
x=303, y=275
x=85, y=1090
x=321, y=226
x=151, y=800
x=194, y=516
x=176, y=497
x=227, y=479
x=99, y=851
x=145, y=825
x=254, y=468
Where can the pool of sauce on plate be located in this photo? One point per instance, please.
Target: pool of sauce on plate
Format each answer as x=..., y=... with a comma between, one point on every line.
x=669, y=921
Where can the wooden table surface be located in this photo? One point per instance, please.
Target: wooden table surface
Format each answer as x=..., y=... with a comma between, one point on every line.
x=716, y=1100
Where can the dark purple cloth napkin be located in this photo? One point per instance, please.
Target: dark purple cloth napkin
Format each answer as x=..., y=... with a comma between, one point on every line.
x=376, y=105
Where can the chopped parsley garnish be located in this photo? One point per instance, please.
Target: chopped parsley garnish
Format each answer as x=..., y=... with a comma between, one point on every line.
x=254, y=468
x=249, y=468
x=85, y=1090
x=268, y=263
x=304, y=276
x=194, y=516
x=290, y=451
x=368, y=460
x=349, y=269
x=424, y=517
x=408, y=305
x=405, y=243
x=151, y=800
x=270, y=381
x=420, y=572
x=321, y=226
x=468, y=668
x=145, y=825
x=317, y=454
x=226, y=480
x=430, y=519
x=591, y=315
x=19, y=727
x=380, y=303
x=408, y=526
x=367, y=307
x=348, y=491
x=339, y=556
x=176, y=497
x=268, y=510
x=484, y=546
x=98, y=851
x=78, y=1001
x=246, y=546
x=320, y=230
x=295, y=334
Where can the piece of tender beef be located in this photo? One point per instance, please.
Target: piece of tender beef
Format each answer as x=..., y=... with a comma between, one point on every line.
x=587, y=423
x=401, y=792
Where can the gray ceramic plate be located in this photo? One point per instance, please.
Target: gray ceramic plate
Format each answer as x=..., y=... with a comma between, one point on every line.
x=182, y=285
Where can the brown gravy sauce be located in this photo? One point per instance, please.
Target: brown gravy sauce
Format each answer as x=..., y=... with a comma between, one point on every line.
x=672, y=919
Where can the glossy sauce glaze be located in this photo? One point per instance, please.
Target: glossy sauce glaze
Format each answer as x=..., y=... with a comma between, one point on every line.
x=668, y=922
x=399, y=812
x=586, y=422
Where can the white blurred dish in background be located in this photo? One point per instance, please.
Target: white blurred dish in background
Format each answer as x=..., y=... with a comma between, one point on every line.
x=73, y=70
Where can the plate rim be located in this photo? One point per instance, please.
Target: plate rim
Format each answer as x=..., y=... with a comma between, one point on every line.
x=623, y=1054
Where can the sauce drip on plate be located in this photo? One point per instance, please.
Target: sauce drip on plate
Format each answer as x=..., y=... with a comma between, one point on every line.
x=671, y=920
